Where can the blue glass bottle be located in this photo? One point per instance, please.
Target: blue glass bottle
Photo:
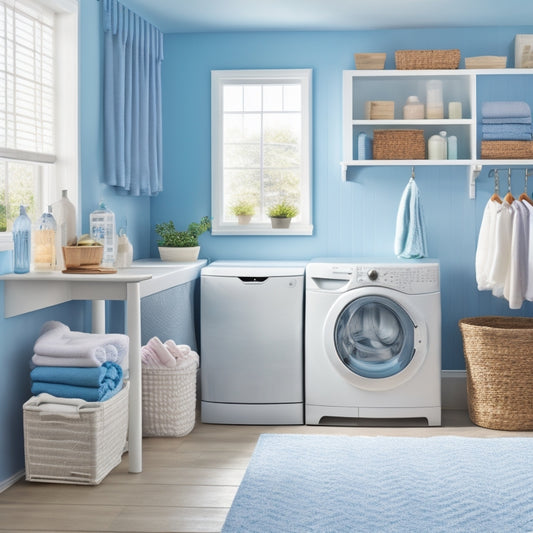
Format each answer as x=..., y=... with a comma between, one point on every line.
x=22, y=242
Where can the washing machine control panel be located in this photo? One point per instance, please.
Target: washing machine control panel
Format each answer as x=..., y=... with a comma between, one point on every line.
x=412, y=279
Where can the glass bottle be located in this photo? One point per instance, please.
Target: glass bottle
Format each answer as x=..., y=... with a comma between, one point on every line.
x=22, y=242
x=44, y=242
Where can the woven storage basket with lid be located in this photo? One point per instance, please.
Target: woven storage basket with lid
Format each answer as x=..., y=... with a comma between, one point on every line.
x=499, y=369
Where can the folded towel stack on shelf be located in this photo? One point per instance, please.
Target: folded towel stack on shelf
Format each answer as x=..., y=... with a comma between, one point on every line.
x=506, y=121
x=71, y=364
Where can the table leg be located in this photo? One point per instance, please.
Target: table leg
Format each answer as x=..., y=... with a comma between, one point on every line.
x=98, y=316
x=133, y=330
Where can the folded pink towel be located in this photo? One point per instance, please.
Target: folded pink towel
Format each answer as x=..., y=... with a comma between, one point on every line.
x=177, y=350
x=161, y=353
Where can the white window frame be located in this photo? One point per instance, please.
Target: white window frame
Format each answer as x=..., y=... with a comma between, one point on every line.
x=60, y=170
x=220, y=78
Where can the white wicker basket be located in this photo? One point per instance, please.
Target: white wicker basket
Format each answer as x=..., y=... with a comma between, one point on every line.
x=169, y=400
x=74, y=441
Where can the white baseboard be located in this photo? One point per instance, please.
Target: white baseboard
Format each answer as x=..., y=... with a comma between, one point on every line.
x=6, y=483
x=454, y=389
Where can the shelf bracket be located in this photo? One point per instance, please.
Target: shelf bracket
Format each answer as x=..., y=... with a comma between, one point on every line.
x=473, y=172
x=344, y=170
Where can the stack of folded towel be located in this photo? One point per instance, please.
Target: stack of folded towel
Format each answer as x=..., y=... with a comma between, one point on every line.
x=168, y=354
x=71, y=364
x=506, y=121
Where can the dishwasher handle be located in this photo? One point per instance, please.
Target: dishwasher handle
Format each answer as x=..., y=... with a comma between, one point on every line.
x=253, y=279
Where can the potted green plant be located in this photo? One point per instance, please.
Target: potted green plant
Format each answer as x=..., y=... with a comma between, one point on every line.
x=244, y=210
x=281, y=214
x=177, y=245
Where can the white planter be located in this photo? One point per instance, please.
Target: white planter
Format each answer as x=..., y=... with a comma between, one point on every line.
x=244, y=219
x=179, y=254
x=280, y=222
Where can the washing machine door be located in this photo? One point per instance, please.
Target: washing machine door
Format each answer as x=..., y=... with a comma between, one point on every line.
x=375, y=338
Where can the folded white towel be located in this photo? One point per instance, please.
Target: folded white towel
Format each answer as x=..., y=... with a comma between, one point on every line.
x=57, y=345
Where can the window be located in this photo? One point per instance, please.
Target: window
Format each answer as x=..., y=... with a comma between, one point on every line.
x=261, y=148
x=38, y=137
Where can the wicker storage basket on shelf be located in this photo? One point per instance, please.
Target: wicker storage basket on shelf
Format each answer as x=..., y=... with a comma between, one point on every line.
x=169, y=400
x=427, y=59
x=507, y=149
x=399, y=144
x=499, y=368
x=76, y=442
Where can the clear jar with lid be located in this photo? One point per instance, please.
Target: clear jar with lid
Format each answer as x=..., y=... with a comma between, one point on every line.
x=413, y=109
x=44, y=242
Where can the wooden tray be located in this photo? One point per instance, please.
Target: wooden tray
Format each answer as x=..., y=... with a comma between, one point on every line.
x=90, y=269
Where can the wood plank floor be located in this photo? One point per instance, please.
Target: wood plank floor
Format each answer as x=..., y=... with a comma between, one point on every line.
x=187, y=484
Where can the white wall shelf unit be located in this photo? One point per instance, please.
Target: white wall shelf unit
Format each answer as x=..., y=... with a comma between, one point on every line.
x=462, y=85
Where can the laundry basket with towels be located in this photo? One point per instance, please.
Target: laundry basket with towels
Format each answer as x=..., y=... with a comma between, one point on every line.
x=499, y=368
x=169, y=375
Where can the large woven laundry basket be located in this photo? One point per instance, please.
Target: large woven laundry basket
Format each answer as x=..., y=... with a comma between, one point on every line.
x=67, y=440
x=499, y=368
x=169, y=400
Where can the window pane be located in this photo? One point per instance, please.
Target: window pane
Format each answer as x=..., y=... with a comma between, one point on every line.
x=272, y=98
x=292, y=98
x=252, y=98
x=20, y=183
x=241, y=185
x=233, y=98
x=243, y=155
x=242, y=128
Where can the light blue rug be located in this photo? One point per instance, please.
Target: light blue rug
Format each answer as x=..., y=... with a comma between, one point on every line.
x=334, y=484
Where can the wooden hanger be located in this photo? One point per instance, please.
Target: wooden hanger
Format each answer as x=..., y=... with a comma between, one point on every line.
x=496, y=196
x=509, y=198
x=524, y=196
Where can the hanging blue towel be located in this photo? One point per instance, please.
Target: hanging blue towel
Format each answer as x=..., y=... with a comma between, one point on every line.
x=410, y=240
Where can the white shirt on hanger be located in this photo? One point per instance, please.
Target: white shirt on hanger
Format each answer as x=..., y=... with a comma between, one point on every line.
x=485, y=245
x=517, y=273
x=529, y=285
x=502, y=249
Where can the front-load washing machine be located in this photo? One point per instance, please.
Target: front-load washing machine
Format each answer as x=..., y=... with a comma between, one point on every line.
x=373, y=340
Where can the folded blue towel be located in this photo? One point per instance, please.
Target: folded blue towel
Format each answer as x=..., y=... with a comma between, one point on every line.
x=507, y=137
x=410, y=239
x=507, y=120
x=78, y=376
x=90, y=394
x=506, y=132
x=505, y=109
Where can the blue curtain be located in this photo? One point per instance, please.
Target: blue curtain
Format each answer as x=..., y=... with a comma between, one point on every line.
x=133, y=51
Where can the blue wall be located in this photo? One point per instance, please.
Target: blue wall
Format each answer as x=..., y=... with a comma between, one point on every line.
x=354, y=218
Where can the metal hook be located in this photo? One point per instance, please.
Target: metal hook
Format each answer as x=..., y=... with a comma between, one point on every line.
x=508, y=180
x=413, y=172
x=525, y=180
x=496, y=181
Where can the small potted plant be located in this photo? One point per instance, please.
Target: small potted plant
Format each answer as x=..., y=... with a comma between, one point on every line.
x=281, y=214
x=177, y=245
x=243, y=210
